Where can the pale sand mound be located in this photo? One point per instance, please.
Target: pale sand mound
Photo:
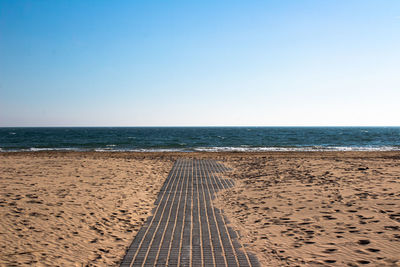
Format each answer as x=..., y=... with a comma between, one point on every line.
x=74, y=208
x=307, y=209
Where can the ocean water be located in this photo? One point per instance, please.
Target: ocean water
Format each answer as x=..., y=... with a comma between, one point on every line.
x=201, y=139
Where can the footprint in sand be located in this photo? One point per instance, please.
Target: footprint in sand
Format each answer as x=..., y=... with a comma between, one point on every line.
x=329, y=250
x=373, y=249
x=363, y=242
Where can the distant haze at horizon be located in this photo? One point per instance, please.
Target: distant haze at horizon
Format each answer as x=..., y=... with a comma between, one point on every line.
x=177, y=63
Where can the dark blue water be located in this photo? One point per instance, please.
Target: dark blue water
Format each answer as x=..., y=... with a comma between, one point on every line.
x=200, y=138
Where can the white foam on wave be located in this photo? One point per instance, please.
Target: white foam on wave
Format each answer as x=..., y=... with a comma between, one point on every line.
x=289, y=149
x=243, y=148
x=143, y=150
x=51, y=149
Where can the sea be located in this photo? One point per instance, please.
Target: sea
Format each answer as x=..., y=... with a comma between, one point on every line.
x=190, y=139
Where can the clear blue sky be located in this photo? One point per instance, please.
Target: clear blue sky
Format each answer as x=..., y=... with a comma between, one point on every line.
x=181, y=63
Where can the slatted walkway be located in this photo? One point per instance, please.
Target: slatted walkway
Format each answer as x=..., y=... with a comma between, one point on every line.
x=186, y=229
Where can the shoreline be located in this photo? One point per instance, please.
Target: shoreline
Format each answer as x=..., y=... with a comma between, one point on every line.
x=202, y=153
x=245, y=149
x=223, y=156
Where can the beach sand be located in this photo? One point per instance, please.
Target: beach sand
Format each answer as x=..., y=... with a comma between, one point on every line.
x=84, y=208
x=317, y=209
x=74, y=209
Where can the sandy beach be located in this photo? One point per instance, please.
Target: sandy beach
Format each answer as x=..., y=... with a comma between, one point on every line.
x=319, y=208
x=316, y=209
x=74, y=209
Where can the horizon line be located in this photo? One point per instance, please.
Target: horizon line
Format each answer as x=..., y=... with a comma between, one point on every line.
x=195, y=126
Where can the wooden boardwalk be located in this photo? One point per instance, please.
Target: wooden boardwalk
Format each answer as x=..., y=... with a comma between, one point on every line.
x=186, y=229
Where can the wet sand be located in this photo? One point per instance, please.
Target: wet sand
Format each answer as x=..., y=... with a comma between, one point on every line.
x=328, y=208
